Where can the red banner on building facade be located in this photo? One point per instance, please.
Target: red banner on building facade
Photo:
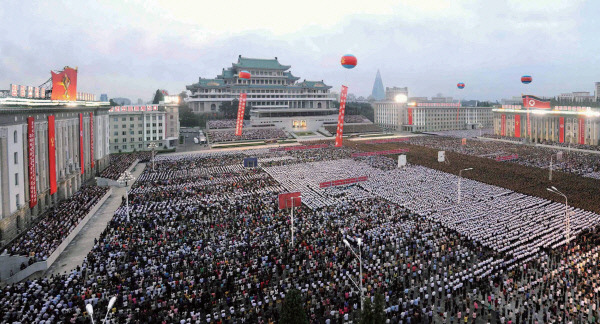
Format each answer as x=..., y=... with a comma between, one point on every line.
x=92, y=139
x=240, y=116
x=31, y=162
x=581, y=130
x=503, y=125
x=52, y=155
x=340, y=125
x=410, y=116
x=81, y=143
x=561, y=130
x=517, y=125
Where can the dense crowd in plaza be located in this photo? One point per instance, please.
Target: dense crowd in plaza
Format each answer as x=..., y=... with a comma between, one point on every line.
x=354, y=129
x=203, y=241
x=356, y=119
x=40, y=241
x=224, y=123
x=220, y=136
x=577, y=162
x=119, y=163
x=470, y=133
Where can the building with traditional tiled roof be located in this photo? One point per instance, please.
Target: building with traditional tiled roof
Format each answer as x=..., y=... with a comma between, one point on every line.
x=272, y=91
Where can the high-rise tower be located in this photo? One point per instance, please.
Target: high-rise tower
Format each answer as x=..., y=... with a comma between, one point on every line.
x=378, y=92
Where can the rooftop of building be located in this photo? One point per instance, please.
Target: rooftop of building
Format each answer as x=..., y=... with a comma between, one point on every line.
x=256, y=63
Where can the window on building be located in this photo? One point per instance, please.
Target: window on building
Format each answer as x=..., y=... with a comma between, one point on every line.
x=15, y=136
x=123, y=133
x=160, y=144
x=147, y=124
x=16, y=179
x=116, y=140
x=16, y=158
x=124, y=147
x=140, y=132
x=124, y=126
x=124, y=140
x=116, y=147
x=124, y=119
x=139, y=145
x=18, y=200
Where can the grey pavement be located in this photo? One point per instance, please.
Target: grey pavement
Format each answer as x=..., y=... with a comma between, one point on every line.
x=83, y=243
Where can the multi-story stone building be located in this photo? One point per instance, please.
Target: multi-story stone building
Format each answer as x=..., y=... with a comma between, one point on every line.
x=133, y=128
x=75, y=154
x=559, y=124
x=274, y=95
x=422, y=115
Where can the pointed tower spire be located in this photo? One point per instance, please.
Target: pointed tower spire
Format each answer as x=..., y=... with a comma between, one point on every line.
x=378, y=93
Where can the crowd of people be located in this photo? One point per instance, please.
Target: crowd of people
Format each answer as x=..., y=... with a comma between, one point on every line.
x=355, y=129
x=220, y=136
x=121, y=162
x=224, y=123
x=470, y=133
x=42, y=239
x=204, y=241
x=571, y=161
x=356, y=119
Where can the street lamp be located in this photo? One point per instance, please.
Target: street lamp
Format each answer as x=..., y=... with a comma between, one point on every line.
x=292, y=218
x=153, y=147
x=359, y=256
x=90, y=309
x=459, y=181
x=126, y=177
x=567, y=219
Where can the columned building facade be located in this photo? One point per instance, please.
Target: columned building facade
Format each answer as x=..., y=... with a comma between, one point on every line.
x=391, y=112
x=80, y=127
x=559, y=124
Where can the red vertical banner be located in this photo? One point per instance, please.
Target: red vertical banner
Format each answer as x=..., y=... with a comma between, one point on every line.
x=340, y=125
x=240, y=116
x=503, y=125
x=528, y=123
x=561, y=129
x=581, y=130
x=517, y=125
x=52, y=154
x=81, y=143
x=31, y=161
x=410, y=116
x=92, y=138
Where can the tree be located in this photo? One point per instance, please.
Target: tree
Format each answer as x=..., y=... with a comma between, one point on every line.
x=229, y=109
x=158, y=97
x=378, y=309
x=373, y=314
x=366, y=314
x=292, y=311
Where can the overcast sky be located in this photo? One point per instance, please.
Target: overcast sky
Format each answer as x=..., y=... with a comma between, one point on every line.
x=131, y=48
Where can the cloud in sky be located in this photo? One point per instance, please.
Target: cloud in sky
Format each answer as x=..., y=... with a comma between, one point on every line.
x=131, y=48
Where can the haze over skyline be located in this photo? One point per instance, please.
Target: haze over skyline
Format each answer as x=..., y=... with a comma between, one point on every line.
x=129, y=49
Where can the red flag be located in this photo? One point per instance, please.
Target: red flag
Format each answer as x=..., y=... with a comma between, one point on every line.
x=287, y=200
x=517, y=126
x=410, y=116
x=503, y=125
x=535, y=102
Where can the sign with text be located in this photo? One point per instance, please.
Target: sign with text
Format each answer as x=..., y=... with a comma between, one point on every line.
x=289, y=200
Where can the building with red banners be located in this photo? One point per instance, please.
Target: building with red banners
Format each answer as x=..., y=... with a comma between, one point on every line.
x=398, y=112
x=537, y=121
x=274, y=95
x=48, y=149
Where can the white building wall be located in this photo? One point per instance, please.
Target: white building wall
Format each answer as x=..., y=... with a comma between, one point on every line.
x=16, y=188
